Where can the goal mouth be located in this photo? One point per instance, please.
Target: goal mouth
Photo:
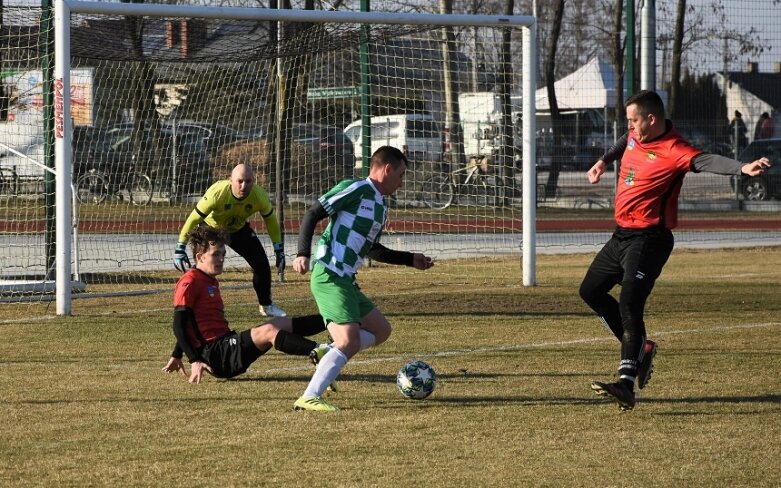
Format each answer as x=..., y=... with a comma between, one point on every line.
x=152, y=104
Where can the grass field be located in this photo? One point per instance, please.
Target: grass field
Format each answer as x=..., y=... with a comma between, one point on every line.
x=84, y=402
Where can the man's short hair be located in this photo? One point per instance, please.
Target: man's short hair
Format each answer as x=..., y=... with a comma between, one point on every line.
x=648, y=102
x=388, y=155
x=204, y=236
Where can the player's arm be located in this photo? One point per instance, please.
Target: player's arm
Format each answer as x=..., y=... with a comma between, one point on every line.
x=713, y=163
x=184, y=317
x=195, y=218
x=615, y=151
x=306, y=231
x=272, y=225
x=382, y=254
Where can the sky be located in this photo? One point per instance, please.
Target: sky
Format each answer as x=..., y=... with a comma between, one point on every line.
x=763, y=15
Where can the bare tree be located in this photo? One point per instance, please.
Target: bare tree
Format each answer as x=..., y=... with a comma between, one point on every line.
x=675, y=72
x=617, y=53
x=556, y=122
x=707, y=27
x=452, y=119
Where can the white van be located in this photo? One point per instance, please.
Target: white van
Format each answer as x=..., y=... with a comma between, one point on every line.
x=417, y=135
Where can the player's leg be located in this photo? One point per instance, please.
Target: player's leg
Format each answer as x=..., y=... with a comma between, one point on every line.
x=247, y=245
x=232, y=354
x=338, y=301
x=644, y=260
x=603, y=274
x=376, y=324
x=278, y=332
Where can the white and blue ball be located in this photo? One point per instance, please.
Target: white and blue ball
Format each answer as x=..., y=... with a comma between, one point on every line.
x=416, y=380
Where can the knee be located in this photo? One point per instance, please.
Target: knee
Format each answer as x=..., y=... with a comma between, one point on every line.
x=349, y=347
x=587, y=293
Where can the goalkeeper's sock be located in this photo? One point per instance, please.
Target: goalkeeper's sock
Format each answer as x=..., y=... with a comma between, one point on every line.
x=327, y=370
x=293, y=344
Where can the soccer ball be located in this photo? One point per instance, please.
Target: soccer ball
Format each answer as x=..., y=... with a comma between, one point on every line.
x=416, y=380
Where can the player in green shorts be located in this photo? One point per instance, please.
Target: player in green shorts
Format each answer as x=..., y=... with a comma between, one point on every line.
x=357, y=210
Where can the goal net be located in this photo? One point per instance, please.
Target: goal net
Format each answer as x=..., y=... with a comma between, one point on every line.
x=164, y=100
x=164, y=104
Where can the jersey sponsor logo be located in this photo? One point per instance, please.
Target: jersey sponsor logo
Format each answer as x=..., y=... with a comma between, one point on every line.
x=631, y=144
x=368, y=208
x=640, y=275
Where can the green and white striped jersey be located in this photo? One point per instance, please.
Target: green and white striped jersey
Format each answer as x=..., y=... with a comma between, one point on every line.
x=358, y=213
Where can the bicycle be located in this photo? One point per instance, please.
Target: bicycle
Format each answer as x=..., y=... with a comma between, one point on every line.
x=439, y=191
x=95, y=186
x=9, y=182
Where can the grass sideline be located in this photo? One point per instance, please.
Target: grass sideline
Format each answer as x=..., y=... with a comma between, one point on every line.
x=85, y=404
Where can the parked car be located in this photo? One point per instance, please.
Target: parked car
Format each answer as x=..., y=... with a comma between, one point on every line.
x=768, y=184
x=214, y=136
x=110, y=150
x=320, y=156
x=417, y=135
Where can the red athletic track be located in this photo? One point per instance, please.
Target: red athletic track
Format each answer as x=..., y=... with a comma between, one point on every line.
x=461, y=225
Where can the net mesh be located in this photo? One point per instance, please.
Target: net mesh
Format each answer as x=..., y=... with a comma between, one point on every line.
x=164, y=107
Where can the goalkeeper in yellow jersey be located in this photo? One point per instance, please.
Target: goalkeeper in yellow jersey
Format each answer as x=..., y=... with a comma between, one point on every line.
x=227, y=205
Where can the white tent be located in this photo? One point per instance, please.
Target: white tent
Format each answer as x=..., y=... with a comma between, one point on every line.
x=591, y=86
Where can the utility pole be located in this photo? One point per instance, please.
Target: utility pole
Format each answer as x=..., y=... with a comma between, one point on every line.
x=648, y=45
x=629, y=87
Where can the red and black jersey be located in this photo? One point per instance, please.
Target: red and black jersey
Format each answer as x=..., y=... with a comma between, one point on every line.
x=201, y=293
x=650, y=180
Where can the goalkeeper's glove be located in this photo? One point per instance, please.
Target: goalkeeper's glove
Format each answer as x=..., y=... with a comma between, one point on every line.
x=181, y=261
x=279, y=252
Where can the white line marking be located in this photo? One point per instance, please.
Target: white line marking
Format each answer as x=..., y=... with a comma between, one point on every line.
x=520, y=347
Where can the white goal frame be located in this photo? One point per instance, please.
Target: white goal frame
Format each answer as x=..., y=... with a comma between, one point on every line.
x=62, y=110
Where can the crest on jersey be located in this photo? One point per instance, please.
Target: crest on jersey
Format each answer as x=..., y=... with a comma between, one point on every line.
x=630, y=178
x=631, y=144
x=651, y=155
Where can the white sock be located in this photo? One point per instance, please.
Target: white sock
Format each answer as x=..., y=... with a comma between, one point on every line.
x=367, y=339
x=327, y=370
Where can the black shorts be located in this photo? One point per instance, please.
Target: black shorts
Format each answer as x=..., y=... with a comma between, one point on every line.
x=231, y=354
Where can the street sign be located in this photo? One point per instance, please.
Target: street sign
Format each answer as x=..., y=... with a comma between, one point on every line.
x=333, y=92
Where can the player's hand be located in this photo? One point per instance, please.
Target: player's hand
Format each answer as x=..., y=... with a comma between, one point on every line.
x=422, y=262
x=301, y=264
x=198, y=367
x=279, y=252
x=175, y=364
x=596, y=172
x=755, y=168
x=181, y=261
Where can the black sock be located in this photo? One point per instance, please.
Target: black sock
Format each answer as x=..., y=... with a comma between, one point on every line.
x=293, y=344
x=308, y=325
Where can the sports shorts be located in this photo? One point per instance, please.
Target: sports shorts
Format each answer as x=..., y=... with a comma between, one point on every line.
x=231, y=354
x=338, y=298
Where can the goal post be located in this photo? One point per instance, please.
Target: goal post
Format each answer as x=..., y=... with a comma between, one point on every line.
x=475, y=207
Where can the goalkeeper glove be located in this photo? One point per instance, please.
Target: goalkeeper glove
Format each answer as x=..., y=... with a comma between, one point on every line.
x=181, y=261
x=279, y=251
